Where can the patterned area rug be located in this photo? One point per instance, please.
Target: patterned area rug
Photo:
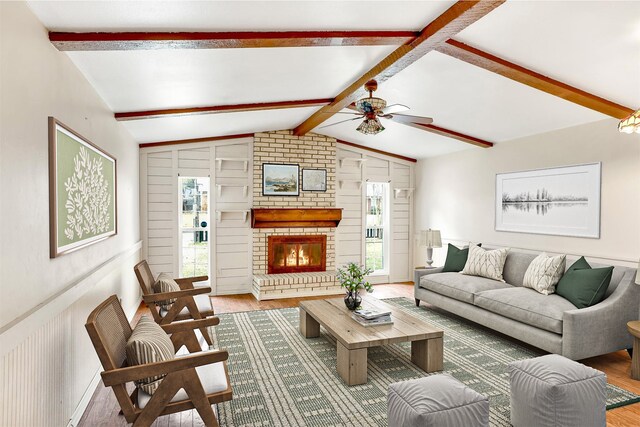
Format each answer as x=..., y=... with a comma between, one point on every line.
x=280, y=378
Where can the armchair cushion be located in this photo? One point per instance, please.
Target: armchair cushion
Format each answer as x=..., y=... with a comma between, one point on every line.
x=203, y=302
x=148, y=343
x=165, y=283
x=213, y=378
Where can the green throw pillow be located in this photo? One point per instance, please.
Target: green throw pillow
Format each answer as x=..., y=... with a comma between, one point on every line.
x=456, y=259
x=584, y=286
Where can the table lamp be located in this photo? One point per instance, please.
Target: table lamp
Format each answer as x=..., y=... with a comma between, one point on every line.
x=431, y=239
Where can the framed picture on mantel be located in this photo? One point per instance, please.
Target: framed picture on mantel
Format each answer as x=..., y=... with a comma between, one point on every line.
x=563, y=201
x=280, y=179
x=82, y=191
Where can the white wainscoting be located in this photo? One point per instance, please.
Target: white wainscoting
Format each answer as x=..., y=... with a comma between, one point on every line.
x=48, y=367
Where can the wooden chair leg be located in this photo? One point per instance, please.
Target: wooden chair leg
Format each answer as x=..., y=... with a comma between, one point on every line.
x=195, y=313
x=195, y=391
x=163, y=395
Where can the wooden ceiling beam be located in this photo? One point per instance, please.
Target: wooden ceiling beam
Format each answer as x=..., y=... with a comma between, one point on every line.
x=451, y=22
x=452, y=134
x=261, y=106
x=66, y=41
x=530, y=78
x=191, y=141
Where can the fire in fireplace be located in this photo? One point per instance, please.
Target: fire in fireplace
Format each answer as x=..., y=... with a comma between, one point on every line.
x=296, y=254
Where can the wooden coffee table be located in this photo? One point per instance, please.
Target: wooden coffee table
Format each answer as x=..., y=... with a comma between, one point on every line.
x=353, y=339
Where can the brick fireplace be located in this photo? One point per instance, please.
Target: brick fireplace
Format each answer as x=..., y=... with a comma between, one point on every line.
x=296, y=254
x=309, y=151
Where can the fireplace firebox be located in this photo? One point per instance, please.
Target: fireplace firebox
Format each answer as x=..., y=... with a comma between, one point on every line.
x=297, y=254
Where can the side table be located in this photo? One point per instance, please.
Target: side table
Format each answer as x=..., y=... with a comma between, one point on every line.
x=634, y=329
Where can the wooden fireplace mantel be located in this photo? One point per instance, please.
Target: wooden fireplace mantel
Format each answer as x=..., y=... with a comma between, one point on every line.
x=295, y=218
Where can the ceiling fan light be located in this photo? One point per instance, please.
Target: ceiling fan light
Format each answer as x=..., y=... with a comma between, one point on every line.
x=376, y=103
x=370, y=127
x=630, y=124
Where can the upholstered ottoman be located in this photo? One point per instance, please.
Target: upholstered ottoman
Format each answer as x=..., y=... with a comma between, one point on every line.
x=438, y=400
x=553, y=391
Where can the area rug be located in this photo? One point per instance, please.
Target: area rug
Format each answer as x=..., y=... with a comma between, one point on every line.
x=280, y=378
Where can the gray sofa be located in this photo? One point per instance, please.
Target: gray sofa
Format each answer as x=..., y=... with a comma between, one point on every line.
x=549, y=322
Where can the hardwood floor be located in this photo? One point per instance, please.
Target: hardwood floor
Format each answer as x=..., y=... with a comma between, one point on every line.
x=103, y=408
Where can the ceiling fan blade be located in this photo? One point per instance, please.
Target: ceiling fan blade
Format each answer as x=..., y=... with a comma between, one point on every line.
x=405, y=118
x=342, y=121
x=341, y=112
x=394, y=108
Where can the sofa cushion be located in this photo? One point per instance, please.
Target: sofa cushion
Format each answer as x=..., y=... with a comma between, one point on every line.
x=516, y=266
x=526, y=306
x=459, y=286
x=456, y=258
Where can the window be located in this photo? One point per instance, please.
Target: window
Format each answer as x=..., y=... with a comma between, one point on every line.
x=193, y=226
x=377, y=227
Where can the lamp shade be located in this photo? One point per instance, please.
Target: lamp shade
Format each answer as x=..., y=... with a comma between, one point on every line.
x=431, y=238
x=630, y=124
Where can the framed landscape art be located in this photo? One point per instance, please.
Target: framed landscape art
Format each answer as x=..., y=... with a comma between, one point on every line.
x=82, y=191
x=563, y=201
x=314, y=180
x=280, y=179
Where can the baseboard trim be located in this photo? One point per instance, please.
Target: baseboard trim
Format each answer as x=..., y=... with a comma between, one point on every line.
x=84, y=402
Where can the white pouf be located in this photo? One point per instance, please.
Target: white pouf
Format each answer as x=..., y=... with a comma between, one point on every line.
x=553, y=391
x=436, y=401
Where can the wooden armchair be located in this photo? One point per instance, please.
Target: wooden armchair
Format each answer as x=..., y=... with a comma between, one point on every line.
x=194, y=381
x=191, y=302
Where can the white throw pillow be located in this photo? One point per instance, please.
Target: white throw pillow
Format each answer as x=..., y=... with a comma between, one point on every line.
x=165, y=283
x=482, y=262
x=544, y=273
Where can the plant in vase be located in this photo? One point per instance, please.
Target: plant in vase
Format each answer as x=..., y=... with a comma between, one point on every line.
x=352, y=279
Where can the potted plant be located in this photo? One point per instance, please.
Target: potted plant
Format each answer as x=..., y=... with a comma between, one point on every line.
x=352, y=279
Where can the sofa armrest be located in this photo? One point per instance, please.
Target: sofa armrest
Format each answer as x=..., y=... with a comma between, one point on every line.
x=601, y=328
x=419, y=272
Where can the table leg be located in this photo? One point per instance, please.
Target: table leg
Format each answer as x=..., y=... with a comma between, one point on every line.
x=352, y=365
x=309, y=327
x=635, y=360
x=427, y=354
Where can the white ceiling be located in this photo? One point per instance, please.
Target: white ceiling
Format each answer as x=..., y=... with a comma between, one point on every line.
x=592, y=45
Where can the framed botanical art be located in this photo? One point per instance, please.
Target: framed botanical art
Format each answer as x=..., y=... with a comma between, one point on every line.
x=314, y=180
x=562, y=201
x=280, y=179
x=82, y=191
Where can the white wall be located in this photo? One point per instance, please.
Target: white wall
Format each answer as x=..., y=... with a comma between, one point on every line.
x=456, y=192
x=41, y=295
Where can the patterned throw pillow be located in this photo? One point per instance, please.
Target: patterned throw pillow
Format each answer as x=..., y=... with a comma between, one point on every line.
x=148, y=343
x=482, y=262
x=165, y=283
x=544, y=272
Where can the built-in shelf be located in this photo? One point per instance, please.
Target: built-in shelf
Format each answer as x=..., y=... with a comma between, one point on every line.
x=352, y=159
x=345, y=181
x=244, y=160
x=245, y=213
x=245, y=188
x=398, y=191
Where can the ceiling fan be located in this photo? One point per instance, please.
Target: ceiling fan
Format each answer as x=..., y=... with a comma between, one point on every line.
x=371, y=109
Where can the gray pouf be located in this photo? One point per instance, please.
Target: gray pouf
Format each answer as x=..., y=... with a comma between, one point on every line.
x=553, y=391
x=438, y=400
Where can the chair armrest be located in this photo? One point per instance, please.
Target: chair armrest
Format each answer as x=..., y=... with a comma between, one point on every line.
x=133, y=373
x=188, y=325
x=187, y=282
x=418, y=273
x=162, y=296
x=601, y=328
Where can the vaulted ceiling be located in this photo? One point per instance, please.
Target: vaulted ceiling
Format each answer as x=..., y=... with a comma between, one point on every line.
x=591, y=48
